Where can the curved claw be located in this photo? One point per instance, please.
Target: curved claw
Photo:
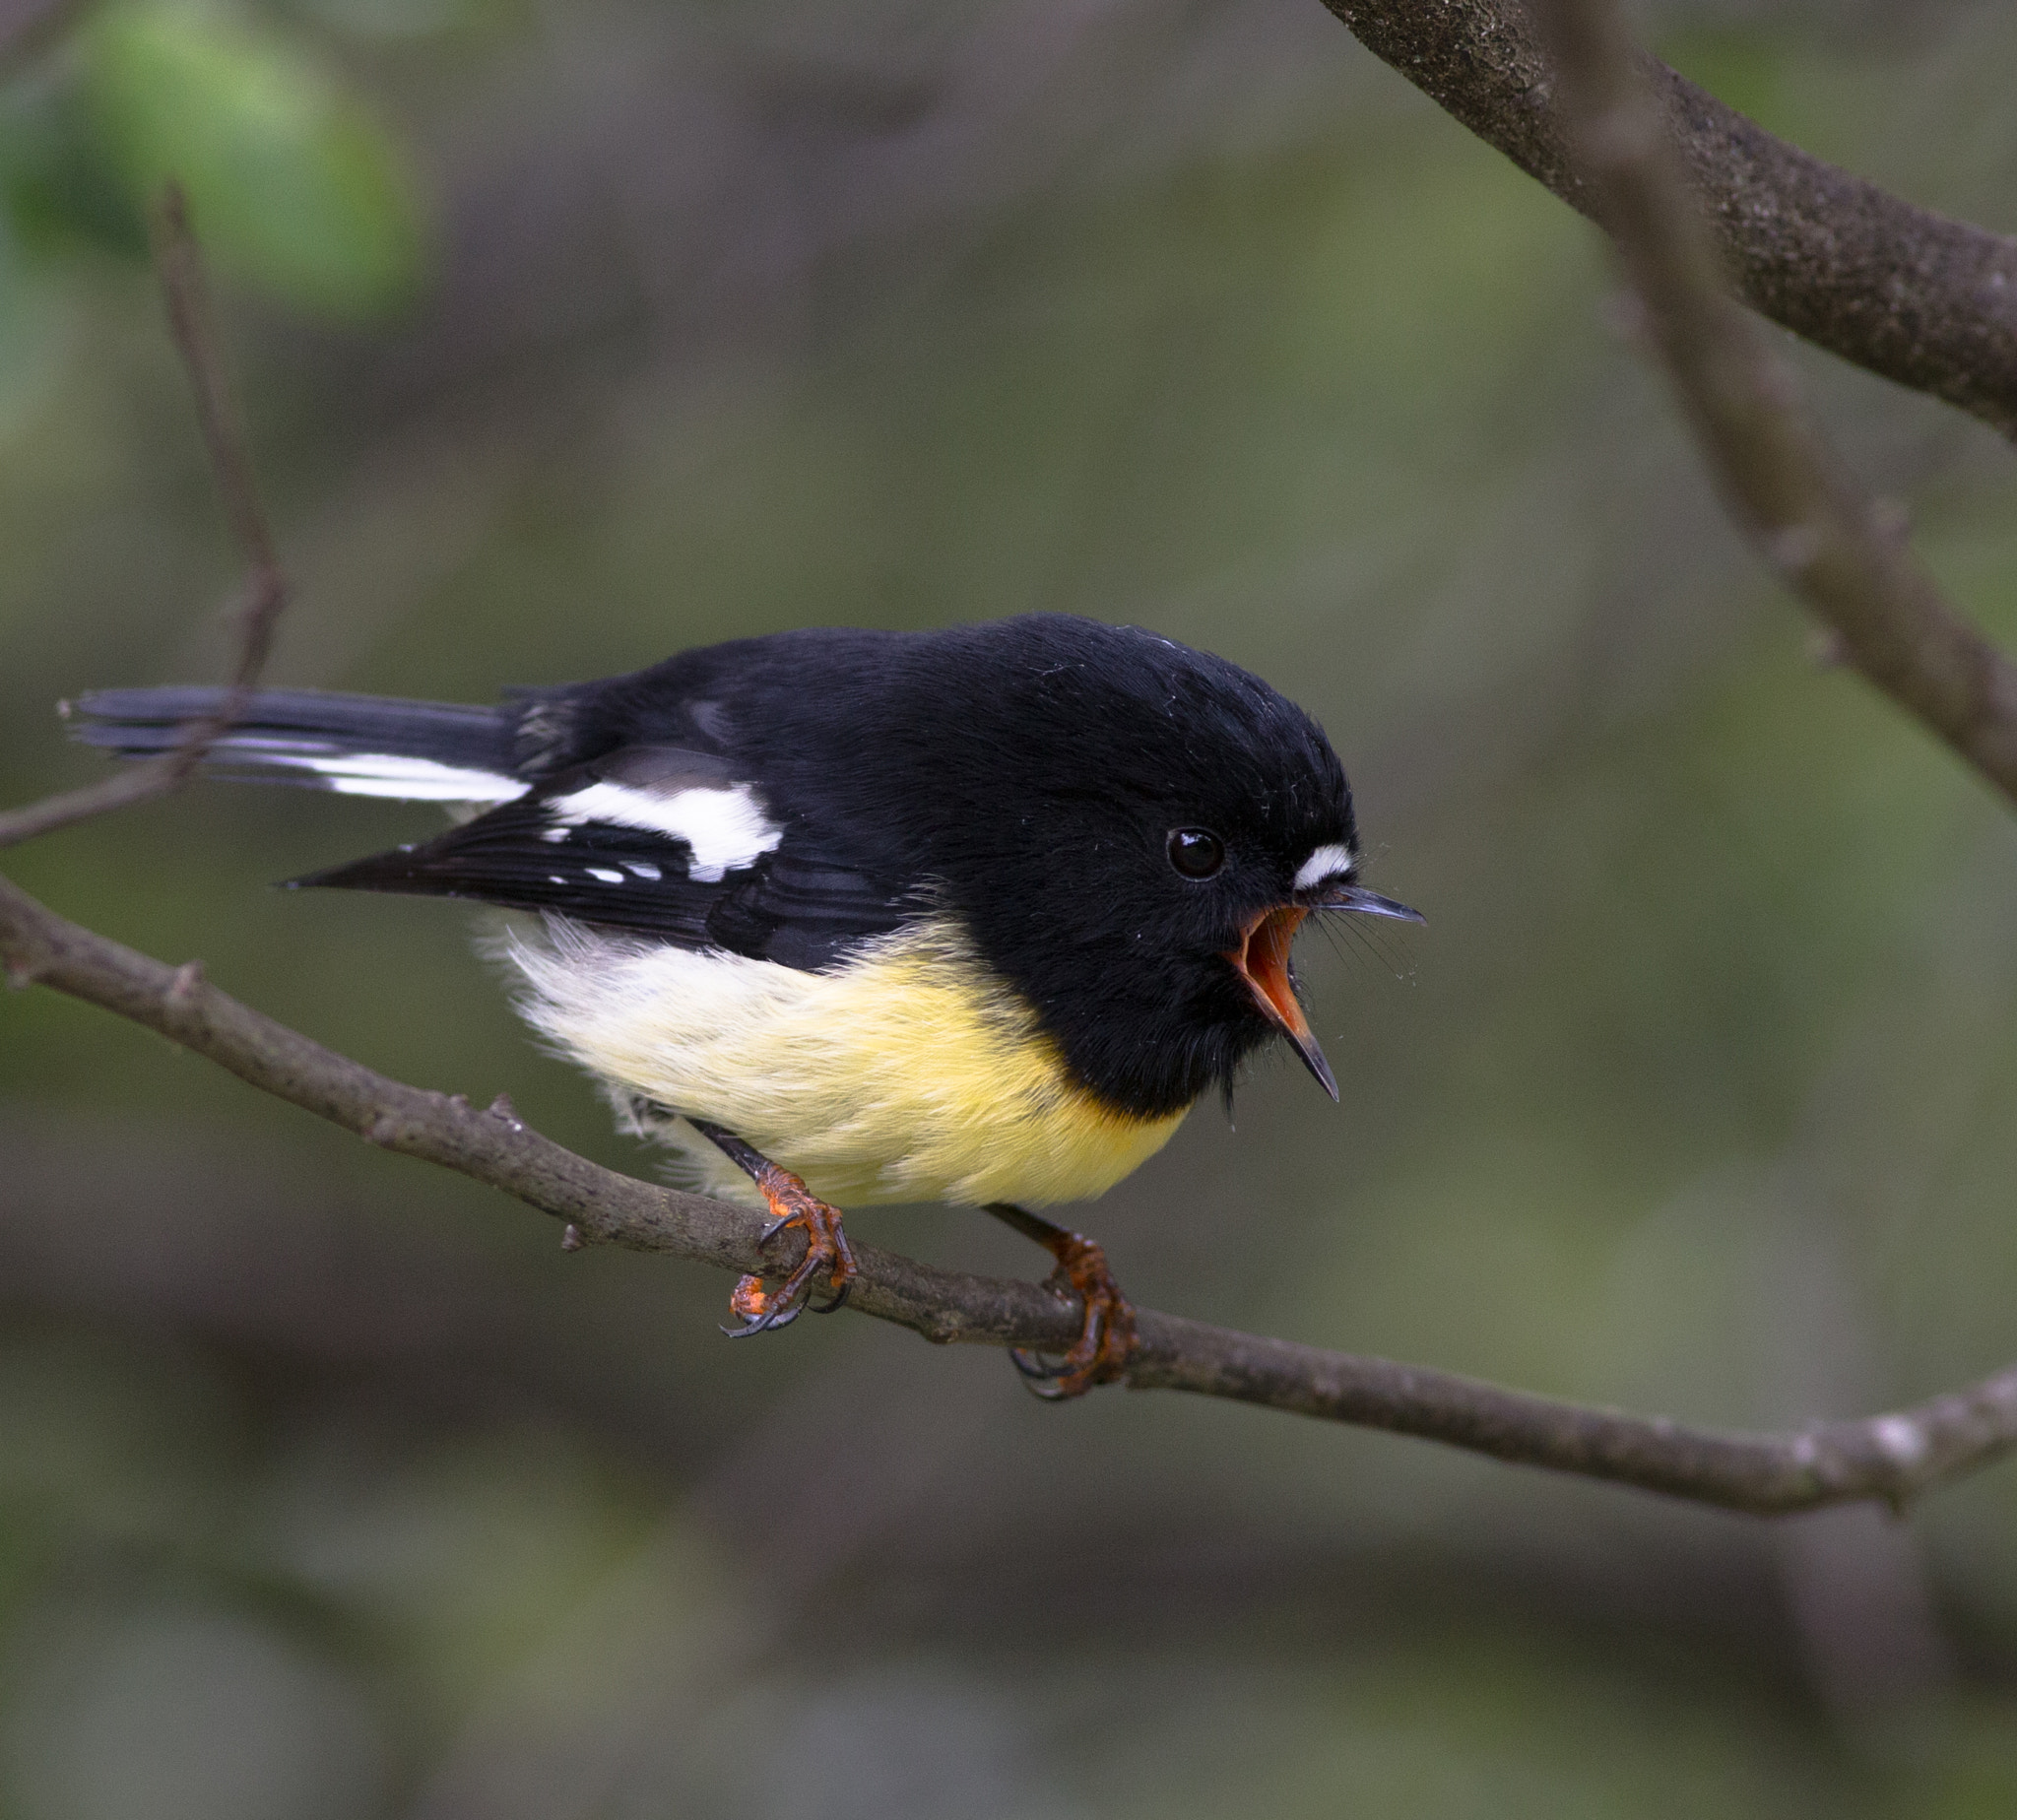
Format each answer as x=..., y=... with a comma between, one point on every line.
x=774, y=1323
x=1040, y=1379
x=827, y=1254
x=1106, y=1337
x=1047, y=1393
x=761, y=1313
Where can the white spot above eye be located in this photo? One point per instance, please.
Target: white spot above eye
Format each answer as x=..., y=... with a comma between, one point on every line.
x=605, y=875
x=1331, y=860
x=724, y=827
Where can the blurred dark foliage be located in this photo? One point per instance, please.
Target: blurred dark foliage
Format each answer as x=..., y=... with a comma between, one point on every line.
x=573, y=334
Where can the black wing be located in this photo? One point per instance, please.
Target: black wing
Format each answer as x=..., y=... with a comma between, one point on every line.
x=657, y=839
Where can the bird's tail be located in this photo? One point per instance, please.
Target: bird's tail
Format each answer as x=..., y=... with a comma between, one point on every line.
x=359, y=744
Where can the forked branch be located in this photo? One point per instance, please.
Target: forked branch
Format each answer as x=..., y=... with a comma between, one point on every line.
x=1827, y=539
x=1906, y=293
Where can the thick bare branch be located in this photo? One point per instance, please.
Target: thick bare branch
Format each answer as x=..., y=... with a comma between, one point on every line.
x=1891, y=1457
x=264, y=593
x=1828, y=541
x=1912, y=295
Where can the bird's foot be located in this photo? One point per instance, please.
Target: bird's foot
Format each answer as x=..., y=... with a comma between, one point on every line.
x=827, y=1255
x=1106, y=1340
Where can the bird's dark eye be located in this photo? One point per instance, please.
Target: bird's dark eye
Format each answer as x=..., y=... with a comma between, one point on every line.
x=1196, y=853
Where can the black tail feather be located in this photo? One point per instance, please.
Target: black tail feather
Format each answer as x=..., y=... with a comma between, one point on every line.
x=320, y=739
x=146, y=720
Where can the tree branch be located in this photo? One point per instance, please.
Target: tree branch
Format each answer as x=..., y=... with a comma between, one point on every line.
x=1828, y=541
x=1892, y=1458
x=264, y=593
x=1900, y=291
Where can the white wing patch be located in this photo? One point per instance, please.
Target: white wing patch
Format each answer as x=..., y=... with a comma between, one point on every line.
x=725, y=827
x=384, y=774
x=1328, y=861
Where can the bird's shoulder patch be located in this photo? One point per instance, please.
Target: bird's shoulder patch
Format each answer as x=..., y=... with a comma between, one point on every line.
x=657, y=840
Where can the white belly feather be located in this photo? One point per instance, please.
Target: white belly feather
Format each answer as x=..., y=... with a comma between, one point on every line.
x=901, y=1076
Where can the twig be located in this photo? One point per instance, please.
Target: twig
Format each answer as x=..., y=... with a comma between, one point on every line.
x=264, y=593
x=187, y=295
x=1832, y=543
x=1910, y=295
x=1890, y=1457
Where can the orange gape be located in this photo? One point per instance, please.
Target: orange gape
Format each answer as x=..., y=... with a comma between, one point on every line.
x=1263, y=958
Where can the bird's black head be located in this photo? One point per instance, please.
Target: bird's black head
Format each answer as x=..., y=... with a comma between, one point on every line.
x=1132, y=830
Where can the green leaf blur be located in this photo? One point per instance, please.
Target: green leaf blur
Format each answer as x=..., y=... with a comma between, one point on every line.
x=291, y=181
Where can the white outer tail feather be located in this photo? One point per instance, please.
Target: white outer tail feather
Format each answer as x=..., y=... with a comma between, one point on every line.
x=378, y=774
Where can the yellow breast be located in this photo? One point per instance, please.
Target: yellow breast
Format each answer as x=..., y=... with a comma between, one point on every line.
x=906, y=1075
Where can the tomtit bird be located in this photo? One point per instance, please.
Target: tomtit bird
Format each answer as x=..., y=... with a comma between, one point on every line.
x=973, y=915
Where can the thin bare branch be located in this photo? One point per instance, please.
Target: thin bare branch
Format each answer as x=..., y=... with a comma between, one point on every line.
x=124, y=788
x=1910, y=295
x=186, y=293
x=1828, y=540
x=262, y=598
x=1891, y=1457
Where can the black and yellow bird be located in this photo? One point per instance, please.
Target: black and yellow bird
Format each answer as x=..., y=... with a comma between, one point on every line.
x=973, y=915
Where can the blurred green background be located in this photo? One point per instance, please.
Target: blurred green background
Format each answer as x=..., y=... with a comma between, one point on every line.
x=575, y=332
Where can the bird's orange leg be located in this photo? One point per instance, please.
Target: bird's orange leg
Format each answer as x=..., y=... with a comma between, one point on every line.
x=1106, y=1340
x=792, y=1204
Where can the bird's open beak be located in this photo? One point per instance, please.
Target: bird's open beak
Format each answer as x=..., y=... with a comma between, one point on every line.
x=1261, y=960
